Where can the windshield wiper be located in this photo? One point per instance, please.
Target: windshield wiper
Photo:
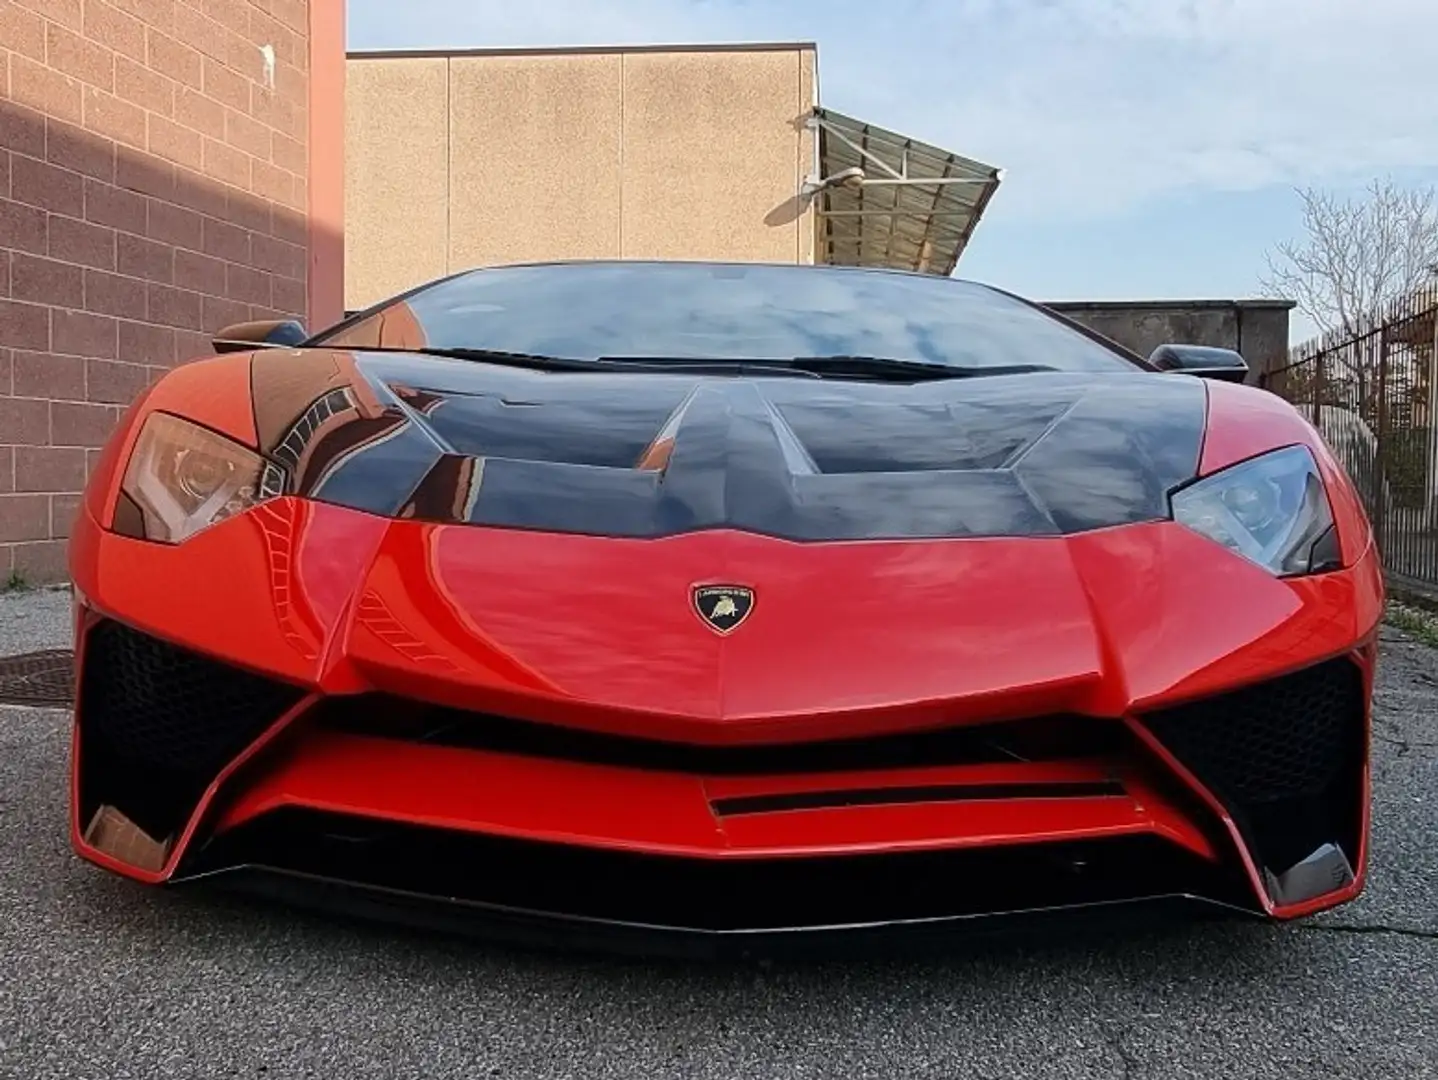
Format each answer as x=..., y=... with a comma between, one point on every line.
x=542, y=362
x=537, y=361
x=839, y=366
x=898, y=370
x=718, y=365
x=889, y=369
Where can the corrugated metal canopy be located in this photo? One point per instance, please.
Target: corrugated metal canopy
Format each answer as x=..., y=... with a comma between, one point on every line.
x=915, y=209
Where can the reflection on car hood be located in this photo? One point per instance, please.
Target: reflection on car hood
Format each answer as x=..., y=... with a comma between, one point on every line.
x=646, y=455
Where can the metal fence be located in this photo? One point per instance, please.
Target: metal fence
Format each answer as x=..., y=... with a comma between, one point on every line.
x=1370, y=392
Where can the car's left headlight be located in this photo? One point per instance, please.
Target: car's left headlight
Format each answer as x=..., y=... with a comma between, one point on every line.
x=183, y=478
x=1272, y=509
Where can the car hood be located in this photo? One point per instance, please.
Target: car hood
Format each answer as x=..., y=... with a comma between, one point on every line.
x=647, y=455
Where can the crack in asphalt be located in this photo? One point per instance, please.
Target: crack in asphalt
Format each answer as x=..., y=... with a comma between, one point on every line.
x=1130, y=1064
x=1403, y=746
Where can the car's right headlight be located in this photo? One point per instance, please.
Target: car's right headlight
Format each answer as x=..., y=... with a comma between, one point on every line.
x=1271, y=509
x=184, y=478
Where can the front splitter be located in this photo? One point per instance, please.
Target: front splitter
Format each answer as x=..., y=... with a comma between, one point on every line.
x=490, y=922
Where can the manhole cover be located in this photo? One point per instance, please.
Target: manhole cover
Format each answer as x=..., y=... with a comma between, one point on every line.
x=38, y=678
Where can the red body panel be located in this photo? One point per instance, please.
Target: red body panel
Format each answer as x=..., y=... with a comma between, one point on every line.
x=635, y=809
x=845, y=639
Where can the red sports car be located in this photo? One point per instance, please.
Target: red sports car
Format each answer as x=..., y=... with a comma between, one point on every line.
x=716, y=600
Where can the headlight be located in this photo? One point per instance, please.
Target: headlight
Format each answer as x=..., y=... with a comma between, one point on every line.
x=1271, y=509
x=184, y=478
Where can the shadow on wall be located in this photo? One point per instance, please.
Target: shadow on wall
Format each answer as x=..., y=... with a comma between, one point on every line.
x=787, y=212
x=115, y=265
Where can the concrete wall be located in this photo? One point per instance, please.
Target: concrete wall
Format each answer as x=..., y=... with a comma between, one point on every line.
x=1256, y=328
x=154, y=186
x=469, y=159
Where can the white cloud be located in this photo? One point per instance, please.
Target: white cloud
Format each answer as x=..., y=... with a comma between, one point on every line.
x=1091, y=105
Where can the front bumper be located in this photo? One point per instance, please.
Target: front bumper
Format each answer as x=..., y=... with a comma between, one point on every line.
x=225, y=775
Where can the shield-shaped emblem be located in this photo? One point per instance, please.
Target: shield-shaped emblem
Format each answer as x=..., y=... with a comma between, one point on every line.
x=722, y=607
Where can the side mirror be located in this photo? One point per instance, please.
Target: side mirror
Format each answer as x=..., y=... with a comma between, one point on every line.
x=260, y=334
x=1205, y=361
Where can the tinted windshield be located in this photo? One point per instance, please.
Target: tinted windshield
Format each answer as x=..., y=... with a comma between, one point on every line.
x=729, y=312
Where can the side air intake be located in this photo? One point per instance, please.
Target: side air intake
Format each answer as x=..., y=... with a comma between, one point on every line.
x=158, y=723
x=1285, y=757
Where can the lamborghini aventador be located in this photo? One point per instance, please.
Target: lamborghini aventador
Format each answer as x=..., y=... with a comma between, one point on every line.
x=716, y=600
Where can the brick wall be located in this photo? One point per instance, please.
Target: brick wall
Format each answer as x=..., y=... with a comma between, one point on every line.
x=153, y=188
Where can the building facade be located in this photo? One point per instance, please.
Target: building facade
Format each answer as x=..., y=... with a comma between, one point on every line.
x=483, y=157
x=470, y=159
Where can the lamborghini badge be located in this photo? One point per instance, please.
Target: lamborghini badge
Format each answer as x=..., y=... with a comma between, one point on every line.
x=723, y=607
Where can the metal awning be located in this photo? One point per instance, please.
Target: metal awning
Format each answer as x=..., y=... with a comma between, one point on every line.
x=886, y=200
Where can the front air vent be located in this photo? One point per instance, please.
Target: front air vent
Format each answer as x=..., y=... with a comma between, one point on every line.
x=159, y=722
x=1040, y=739
x=1284, y=756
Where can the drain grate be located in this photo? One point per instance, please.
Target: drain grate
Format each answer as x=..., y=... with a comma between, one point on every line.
x=38, y=678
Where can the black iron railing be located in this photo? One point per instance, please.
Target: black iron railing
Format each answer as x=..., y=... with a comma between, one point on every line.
x=1369, y=389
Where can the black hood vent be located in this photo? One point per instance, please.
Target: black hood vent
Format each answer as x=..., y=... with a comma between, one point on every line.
x=651, y=454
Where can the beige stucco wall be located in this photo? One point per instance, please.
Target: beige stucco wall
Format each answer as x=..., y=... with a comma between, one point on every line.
x=481, y=158
x=396, y=189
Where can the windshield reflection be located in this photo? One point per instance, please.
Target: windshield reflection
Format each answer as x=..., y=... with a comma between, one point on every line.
x=726, y=311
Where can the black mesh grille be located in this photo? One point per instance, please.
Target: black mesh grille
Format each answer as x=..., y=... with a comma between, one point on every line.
x=1284, y=756
x=159, y=722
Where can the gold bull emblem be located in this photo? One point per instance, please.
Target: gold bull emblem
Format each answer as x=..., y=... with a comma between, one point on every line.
x=723, y=607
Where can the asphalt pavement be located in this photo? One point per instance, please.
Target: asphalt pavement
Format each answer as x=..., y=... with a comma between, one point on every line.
x=103, y=979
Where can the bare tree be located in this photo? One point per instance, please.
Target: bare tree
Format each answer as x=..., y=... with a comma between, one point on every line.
x=1358, y=253
x=1357, y=257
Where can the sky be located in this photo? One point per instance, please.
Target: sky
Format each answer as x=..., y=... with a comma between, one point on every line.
x=1151, y=147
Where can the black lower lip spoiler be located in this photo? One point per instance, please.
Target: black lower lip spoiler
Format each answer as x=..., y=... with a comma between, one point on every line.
x=543, y=929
